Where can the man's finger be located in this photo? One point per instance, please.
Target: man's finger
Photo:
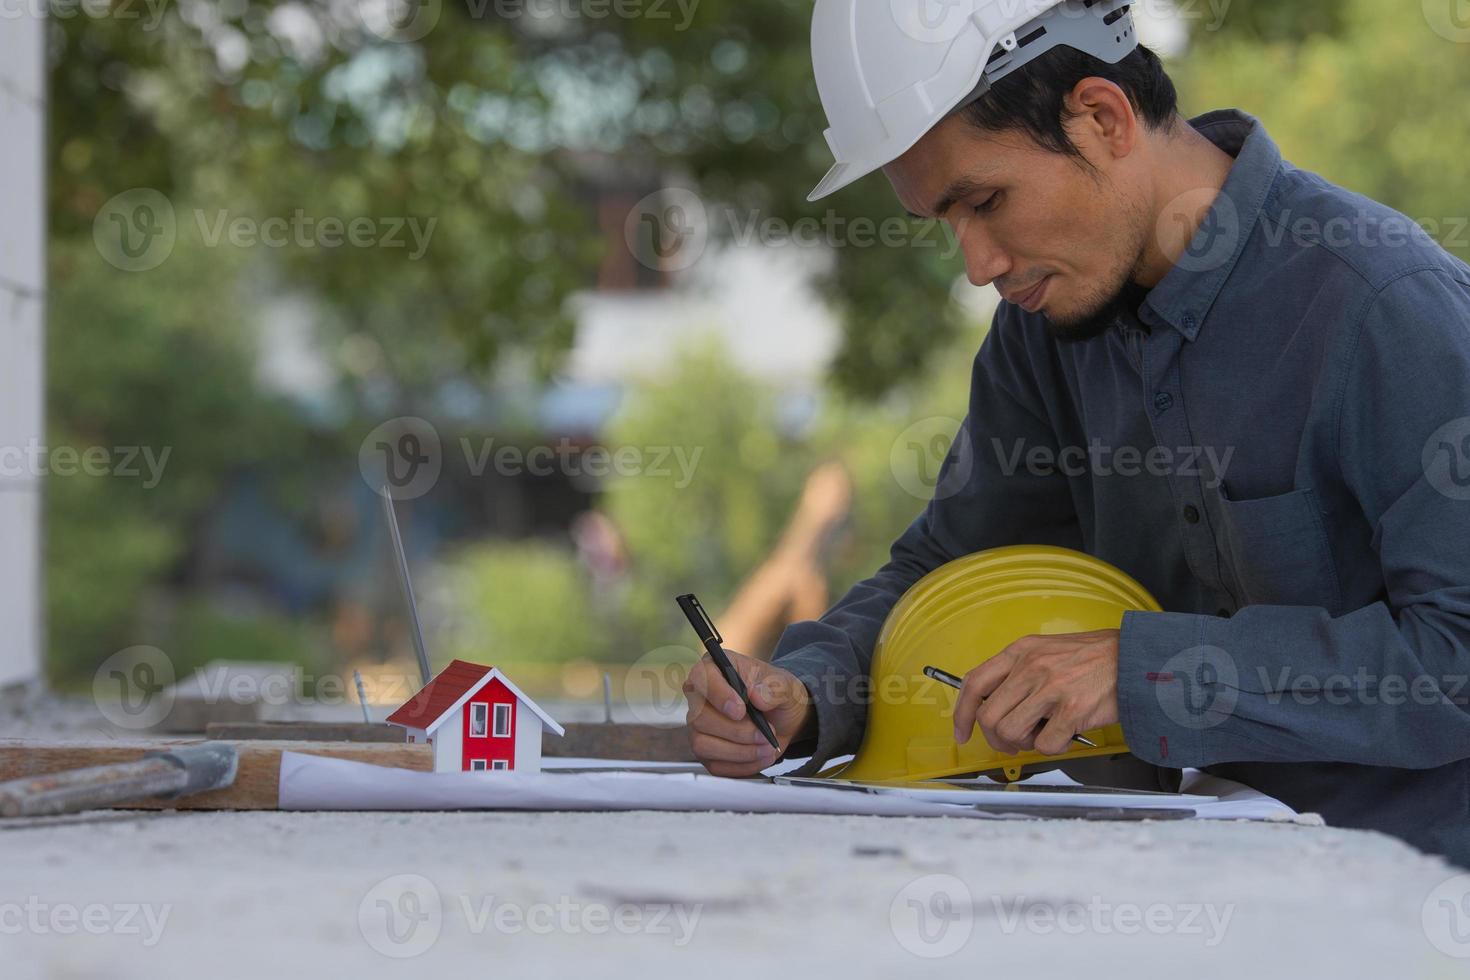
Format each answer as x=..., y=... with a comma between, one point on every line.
x=775, y=690
x=734, y=770
x=1056, y=737
x=709, y=749
x=707, y=683
x=1013, y=691
x=715, y=724
x=979, y=684
x=1016, y=727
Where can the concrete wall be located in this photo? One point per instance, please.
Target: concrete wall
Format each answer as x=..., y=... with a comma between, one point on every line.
x=22, y=320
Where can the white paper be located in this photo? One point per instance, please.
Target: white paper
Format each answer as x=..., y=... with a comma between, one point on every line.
x=311, y=782
x=976, y=792
x=572, y=763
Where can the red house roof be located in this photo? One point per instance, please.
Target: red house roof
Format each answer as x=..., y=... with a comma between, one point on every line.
x=439, y=695
x=450, y=686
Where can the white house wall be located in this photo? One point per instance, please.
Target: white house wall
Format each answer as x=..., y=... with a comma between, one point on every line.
x=448, y=756
x=528, y=739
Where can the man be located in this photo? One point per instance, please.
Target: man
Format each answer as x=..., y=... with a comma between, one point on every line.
x=1244, y=386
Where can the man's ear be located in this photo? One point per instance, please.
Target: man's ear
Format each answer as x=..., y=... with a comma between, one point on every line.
x=1101, y=121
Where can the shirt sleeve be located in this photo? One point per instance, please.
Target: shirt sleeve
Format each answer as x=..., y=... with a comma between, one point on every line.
x=983, y=497
x=1383, y=685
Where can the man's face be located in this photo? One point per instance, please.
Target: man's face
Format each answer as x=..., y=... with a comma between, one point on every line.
x=1052, y=236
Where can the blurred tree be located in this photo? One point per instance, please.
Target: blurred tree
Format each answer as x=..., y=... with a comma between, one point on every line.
x=708, y=535
x=497, y=125
x=1267, y=21
x=1336, y=102
x=147, y=370
x=705, y=534
x=706, y=526
x=519, y=602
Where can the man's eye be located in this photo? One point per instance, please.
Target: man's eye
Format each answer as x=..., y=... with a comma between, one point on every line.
x=989, y=204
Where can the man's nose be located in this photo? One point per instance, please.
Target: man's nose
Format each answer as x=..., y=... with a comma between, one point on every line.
x=984, y=260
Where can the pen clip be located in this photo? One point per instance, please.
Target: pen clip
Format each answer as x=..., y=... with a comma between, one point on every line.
x=699, y=619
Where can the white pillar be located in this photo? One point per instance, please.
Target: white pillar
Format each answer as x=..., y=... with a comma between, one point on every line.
x=22, y=326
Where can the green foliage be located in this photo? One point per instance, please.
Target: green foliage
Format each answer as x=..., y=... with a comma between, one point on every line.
x=496, y=129
x=703, y=533
x=101, y=556
x=746, y=477
x=709, y=535
x=1256, y=21
x=199, y=632
x=149, y=370
x=1369, y=107
x=517, y=602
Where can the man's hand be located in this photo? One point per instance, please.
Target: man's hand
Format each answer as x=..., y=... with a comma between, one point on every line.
x=1070, y=679
x=722, y=735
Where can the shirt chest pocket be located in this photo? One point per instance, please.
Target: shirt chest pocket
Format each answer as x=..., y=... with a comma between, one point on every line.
x=1278, y=550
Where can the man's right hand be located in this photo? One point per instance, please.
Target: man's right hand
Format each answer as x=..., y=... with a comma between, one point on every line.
x=722, y=735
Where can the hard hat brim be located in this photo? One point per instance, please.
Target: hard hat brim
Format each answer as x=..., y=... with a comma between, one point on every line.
x=837, y=178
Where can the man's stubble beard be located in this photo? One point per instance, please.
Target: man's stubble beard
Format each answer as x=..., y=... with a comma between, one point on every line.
x=1105, y=304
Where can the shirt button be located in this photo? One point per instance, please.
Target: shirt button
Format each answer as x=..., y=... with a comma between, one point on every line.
x=1191, y=513
x=1163, y=400
x=1189, y=321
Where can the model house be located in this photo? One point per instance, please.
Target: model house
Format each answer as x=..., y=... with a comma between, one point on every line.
x=476, y=720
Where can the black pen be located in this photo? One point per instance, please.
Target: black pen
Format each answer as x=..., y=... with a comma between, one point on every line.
x=710, y=637
x=945, y=677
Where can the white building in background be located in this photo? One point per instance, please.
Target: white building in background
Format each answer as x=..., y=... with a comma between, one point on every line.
x=22, y=320
x=757, y=300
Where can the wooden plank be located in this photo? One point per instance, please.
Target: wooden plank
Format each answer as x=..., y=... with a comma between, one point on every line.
x=256, y=787
x=583, y=740
x=306, y=731
x=599, y=740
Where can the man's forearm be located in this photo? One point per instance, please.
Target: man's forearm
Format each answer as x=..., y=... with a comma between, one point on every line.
x=832, y=656
x=1293, y=684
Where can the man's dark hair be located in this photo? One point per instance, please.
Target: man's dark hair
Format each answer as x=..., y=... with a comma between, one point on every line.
x=1032, y=98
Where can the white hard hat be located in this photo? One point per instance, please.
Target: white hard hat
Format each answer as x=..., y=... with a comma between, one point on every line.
x=889, y=70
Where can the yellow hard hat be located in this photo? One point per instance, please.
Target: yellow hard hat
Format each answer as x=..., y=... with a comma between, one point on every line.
x=957, y=617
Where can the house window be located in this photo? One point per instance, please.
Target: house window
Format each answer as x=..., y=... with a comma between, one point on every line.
x=478, y=765
x=502, y=720
x=500, y=764
x=478, y=714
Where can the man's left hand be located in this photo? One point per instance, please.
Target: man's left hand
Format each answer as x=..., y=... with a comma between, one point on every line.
x=1070, y=680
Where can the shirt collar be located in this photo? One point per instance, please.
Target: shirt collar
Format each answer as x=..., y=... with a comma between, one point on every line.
x=1185, y=294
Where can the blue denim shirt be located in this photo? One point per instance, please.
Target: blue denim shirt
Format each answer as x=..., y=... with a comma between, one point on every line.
x=1278, y=448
